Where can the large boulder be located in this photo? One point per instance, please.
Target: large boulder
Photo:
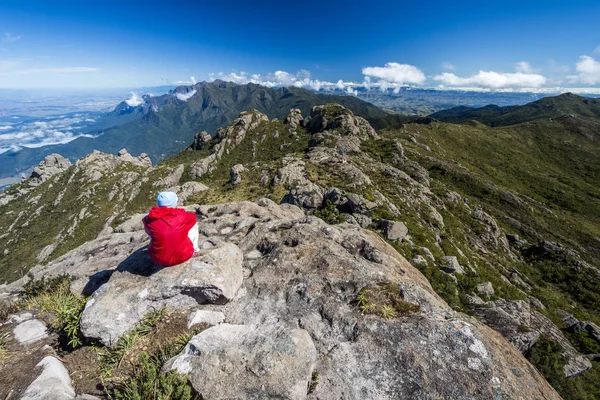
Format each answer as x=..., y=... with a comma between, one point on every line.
x=357, y=204
x=52, y=383
x=248, y=362
x=451, y=265
x=138, y=287
x=294, y=119
x=50, y=166
x=394, y=230
x=309, y=196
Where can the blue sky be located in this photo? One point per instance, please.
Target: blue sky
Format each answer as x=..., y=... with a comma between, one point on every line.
x=386, y=44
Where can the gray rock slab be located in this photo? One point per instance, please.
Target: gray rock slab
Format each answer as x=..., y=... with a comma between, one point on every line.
x=248, y=362
x=486, y=289
x=53, y=382
x=18, y=318
x=212, y=277
x=394, y=230
x=30, y=331
x=451, y=265
x=205, y=317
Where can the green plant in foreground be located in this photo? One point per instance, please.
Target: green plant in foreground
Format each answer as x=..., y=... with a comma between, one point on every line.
x=147, y=382
x=110, y=359
x=385, y=300
x=54, y=296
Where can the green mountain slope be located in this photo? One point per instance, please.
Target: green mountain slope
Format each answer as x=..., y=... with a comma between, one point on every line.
x=169, y=124
x=548, y=107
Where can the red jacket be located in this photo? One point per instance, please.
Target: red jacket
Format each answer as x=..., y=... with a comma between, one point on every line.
x=168, y=229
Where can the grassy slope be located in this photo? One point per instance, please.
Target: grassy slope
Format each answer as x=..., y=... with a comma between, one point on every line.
x=547, y=107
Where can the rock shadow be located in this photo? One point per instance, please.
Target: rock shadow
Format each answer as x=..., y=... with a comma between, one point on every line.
x=138, y=263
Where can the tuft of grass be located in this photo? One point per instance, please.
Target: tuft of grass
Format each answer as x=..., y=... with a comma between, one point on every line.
x=385, y=300
x=314, y=381
x=54, y=296
x=147, y=382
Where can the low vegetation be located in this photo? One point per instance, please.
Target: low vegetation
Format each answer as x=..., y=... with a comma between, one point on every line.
x=384, y=300
x=54, y=296
x=111, y=359
x=546, y=357
x=147, y=382
x=330, y=214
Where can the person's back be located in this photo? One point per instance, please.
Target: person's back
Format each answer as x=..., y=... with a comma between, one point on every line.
x=171, y=231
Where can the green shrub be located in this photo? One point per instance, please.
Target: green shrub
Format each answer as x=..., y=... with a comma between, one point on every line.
x=149, y=384
x=330, y=214
x=583, y=342
x=314, y=381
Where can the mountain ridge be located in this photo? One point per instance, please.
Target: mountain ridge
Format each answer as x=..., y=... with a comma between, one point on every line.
x=547, y=107
x=163, y=125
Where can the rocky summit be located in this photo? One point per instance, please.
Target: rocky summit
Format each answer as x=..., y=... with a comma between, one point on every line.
x=336, y=262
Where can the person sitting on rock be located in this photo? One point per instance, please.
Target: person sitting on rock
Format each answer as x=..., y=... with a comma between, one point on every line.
x=173, y=231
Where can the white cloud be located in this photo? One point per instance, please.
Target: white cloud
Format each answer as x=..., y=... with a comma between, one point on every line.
x=589, y=71
x=448, y=66
x=597, y=50
x=276, y=79
x=493, y=80
x=42, y=132
x=134, y=100
x=193, y=80
x=525, y=68
x=185, y=96
x=393, y=72
x=9, y=38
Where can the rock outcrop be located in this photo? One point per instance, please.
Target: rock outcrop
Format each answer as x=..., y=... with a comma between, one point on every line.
x=52, y=165
x=523, y=326
x=200, y=140
x=227, y=139
x=235, y=174
x=294, y=119
x=287, y=286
